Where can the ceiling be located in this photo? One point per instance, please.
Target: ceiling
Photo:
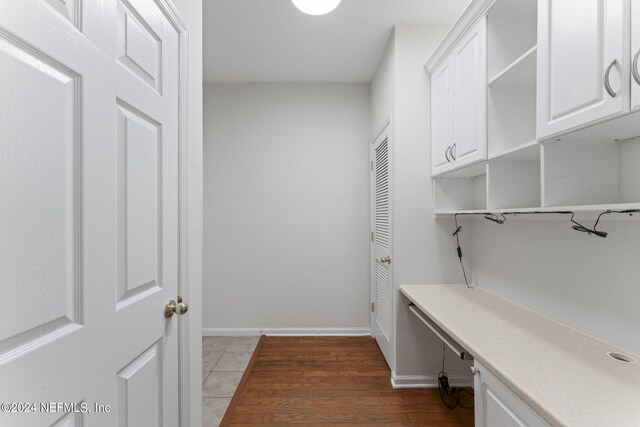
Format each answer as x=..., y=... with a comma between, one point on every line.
x=251, y=41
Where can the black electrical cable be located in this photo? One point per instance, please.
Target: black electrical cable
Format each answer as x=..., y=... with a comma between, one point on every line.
x=459, y=250
x=581, y=228
x=502, y=219
x=450, y=396
x=493, y=217
x=576, y=225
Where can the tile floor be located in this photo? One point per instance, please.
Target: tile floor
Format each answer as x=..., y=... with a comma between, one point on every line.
x=224, y=360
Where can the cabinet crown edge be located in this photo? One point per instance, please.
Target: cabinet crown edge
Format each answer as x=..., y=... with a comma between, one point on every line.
x=474, y=11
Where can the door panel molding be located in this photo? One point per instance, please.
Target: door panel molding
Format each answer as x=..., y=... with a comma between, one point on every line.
x=139, y=48
x=42, y=197
x=135, y=130
x=140, y=389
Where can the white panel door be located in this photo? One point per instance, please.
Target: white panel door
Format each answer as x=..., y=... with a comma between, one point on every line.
x=635, y=55
x=441, y=118
x=469, y=60
x=583, y=63
x=382, y=294
x=89, y=245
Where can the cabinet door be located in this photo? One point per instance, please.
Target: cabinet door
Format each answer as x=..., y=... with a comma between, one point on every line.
x=635, y=51
x=583, y=46
x=496, y=405
x=441, y=117
x=470, y=97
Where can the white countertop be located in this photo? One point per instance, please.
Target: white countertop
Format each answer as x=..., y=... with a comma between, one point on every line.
x=564, y=375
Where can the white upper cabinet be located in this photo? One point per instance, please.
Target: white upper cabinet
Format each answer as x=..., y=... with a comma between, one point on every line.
x=583, y=63
x=635, y=51
x=470, y=97
x=518, y=124
x=441, y=118
x=459, y=104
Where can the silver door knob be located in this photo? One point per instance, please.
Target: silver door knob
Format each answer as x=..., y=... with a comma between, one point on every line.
x=172, y=307
x=474, y=370
x=386, y=260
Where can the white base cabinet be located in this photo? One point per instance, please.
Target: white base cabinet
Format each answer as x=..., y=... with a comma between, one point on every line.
x=497, y=406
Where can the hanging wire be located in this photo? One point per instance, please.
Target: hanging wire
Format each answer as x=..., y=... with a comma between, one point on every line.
x=490, y=216
x=502, y=219
x=459, y=250
x=581, y=228
x=493, y=217
x=450, y=396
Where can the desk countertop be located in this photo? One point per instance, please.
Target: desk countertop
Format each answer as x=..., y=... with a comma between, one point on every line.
x=564, y=375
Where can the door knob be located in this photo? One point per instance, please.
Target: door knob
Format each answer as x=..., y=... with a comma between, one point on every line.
x=172, y=307
x=386, y=260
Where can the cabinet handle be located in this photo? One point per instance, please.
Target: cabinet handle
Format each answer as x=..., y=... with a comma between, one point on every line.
x=446, y=154
x=634, y=67
x=607, y=83
x=474, y=370
x=453, y=156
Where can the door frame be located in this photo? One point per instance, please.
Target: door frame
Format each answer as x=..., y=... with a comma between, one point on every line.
x=184, y=337
x=388, y=126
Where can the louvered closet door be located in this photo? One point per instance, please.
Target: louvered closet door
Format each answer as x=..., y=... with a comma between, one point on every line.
x=381, y=262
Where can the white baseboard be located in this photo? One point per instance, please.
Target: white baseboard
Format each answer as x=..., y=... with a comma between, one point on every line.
x=428, y=381
x=287, y=332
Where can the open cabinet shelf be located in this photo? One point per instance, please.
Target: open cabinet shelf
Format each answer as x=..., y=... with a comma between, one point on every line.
x=528, y=150
x=578, y=176
x=514, y=180
x=520, y=72
x=461, y=192
x=511, y=91
x=587, y=172
x=512, y=32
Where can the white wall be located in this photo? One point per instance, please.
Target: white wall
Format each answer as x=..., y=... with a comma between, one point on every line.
x=586, y=282
x=383, y=87
x=286, y=207
x=191, y=12
x=423, y=249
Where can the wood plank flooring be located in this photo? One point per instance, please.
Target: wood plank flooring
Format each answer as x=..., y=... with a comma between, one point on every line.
x=336, y=381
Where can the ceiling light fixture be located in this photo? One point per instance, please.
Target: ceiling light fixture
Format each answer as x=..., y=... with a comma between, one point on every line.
x=316, y=7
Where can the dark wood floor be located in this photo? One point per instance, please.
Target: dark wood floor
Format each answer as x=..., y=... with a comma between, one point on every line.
x=332, y=381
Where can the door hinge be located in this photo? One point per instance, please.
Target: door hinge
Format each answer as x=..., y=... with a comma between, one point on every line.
x=371, y=165
x=373, y=307
x=373, y=236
